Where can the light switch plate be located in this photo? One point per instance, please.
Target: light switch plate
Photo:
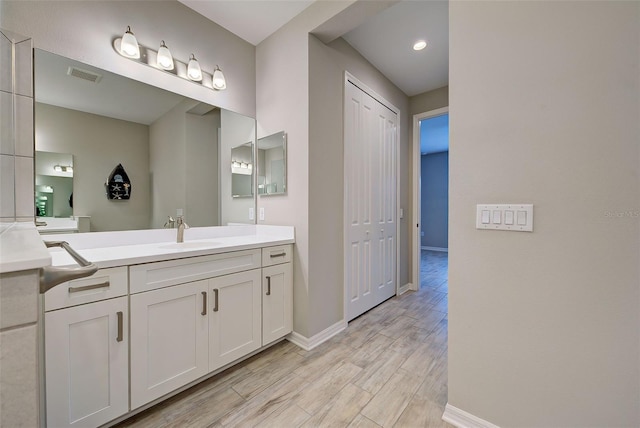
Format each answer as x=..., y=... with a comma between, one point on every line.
x=512, y=217
x=261, y=213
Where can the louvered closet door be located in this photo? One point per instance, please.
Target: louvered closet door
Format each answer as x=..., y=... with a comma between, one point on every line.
x=370, y=201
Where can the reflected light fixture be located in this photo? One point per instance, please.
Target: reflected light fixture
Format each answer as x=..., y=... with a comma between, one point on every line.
x=219, y=81
x=164, y=58
x=129, y=45
x=419, y=45
x=63, y=168
x=193, y=69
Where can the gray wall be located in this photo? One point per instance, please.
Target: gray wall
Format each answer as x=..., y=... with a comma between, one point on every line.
x=544, y=327
x=85, y=30
x=99, y=144
x=435, y=200
x=430, y=100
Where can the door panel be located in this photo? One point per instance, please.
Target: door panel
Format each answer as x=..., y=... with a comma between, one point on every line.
x=370, y=201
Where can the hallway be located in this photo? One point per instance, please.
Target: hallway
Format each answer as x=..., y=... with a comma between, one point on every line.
x=387, y=369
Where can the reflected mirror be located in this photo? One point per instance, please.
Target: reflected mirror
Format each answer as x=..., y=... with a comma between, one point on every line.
x=272, y=164
x=242, y=171
x=54, y=184
x=176, y=150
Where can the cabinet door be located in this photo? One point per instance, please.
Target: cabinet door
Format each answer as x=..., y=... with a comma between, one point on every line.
x=277, y=302
x=87, y=377
x=168, y=340
x=234, y=317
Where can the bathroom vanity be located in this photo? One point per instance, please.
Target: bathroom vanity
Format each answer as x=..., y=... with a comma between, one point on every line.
x=160, y=316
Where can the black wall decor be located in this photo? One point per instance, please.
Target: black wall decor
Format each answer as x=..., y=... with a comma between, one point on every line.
x=118, y=185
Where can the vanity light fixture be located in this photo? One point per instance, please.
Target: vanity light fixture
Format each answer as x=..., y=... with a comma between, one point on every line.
x=193, y=69
x=219, y=81
x=129, y=45
x=419, y=45
x=164, y=59
x=63, y=168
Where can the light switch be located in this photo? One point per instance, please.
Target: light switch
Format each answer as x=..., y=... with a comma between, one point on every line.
x=511, y=217
x=508, y=217
x=486, y=216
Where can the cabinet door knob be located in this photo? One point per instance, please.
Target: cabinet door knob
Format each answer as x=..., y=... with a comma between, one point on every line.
x=215, y=300
x=268, y=286
x=120, y=326
x=204, y=303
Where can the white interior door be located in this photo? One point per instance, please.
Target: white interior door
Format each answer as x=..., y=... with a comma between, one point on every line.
x=370, y=201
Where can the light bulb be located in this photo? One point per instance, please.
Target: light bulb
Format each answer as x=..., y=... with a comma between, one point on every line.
x=57, y=168
x=129, y=45
x=419, y=45
x=164, y=59
x=219, y=82
x=193, y=69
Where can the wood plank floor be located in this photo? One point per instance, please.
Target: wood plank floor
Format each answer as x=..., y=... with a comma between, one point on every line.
x=387, y=369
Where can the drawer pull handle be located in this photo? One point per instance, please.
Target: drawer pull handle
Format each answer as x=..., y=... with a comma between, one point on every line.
x=89, y=287
x=204, y=303
x=282, y=254
x=268, y=286
x=215, y=300
x=120, y=327
x=50, y=276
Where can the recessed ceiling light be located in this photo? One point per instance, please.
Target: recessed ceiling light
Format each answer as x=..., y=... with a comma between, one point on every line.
x=419, y=45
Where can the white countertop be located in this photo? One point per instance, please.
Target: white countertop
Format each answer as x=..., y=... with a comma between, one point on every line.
x=110, y=249
x=21, y=248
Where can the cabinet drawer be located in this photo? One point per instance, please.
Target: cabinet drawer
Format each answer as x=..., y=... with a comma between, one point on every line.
x=276, y=255
x=152, y=276
x=104, y=284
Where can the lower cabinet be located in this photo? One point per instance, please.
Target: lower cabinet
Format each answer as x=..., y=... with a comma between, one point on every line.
x=181, y=333
x=277, y=302
x=234, y=320
x=169, y=343
x=87, y=376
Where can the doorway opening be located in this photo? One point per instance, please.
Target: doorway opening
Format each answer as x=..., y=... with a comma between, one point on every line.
x=431, y=197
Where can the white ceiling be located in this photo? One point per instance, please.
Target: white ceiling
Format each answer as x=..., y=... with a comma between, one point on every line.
x=113, y=96
x=387, y=39
x=252, y=20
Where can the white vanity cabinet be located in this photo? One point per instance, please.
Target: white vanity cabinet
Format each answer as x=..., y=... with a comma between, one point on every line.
x=277, y=293
x=168, y=340
x=87, y=350
x=234, y=317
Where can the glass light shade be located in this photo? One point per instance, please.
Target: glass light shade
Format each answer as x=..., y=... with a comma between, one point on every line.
x=219, y=82
x=193, y=69
x=164, y=59
x=57, y=168
x=129, y=45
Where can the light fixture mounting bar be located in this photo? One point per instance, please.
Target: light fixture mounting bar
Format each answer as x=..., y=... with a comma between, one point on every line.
x=149, y=57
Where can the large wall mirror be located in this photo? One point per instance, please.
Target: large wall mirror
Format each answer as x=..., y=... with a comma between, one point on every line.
x=272, y=164
x=176, y=151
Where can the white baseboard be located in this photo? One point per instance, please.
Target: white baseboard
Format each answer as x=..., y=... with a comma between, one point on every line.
x=408, y=286
x=309, y=343
x=443, y=250
x=461, y=419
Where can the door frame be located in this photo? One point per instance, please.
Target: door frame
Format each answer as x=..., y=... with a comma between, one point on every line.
x=350, y=78
x=417, y=173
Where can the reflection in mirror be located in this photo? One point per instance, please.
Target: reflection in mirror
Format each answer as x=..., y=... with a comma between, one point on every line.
x=171, y=147
x=242, y=171
x=272, y=164
x=54, y=184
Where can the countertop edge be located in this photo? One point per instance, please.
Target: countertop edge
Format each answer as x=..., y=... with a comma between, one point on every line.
x=21, y=248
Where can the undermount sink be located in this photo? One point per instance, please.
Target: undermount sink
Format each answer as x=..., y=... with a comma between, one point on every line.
x=188, y=245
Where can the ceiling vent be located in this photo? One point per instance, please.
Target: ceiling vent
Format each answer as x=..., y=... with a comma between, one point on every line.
x=84, y=74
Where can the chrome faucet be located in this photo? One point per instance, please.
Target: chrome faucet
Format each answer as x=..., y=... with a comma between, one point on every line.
x=170, y=224
x=181, y=227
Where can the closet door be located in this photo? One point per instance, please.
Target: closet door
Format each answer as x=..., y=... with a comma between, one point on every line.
x=370, y=201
